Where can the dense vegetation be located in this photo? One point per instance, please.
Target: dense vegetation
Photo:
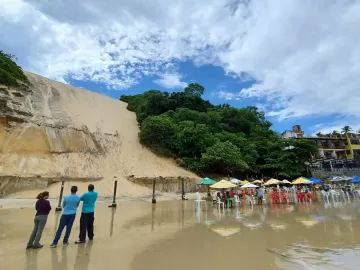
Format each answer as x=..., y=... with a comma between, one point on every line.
x=336, y=134
x=10, y=73
x=216, y=139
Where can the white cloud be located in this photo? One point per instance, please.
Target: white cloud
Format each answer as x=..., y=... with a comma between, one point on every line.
x=337, y=125
x=170, y=81
x=304, y=54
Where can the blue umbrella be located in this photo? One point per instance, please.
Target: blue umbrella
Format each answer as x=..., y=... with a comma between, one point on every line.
x=356, y=179
x=315, y=180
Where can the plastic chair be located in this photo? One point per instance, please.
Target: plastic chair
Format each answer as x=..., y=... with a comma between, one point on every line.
x=325, y=195
x=335, y=194
x=220, y=203
x=198, y=200
x=237, y=200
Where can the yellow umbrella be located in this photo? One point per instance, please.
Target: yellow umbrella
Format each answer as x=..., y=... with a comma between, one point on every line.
x=258, y=182
x=244, y=182
x=272, y=181
x=223, y=184
x=301, y=180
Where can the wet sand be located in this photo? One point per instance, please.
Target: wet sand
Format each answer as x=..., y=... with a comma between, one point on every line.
x=173, y=235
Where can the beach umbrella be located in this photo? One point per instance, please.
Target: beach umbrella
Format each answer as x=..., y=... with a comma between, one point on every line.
x=258, y=182
x=249, y=185
x=272, y=181
x=206, y=181
x=235, y=181
x=301, y=180
x=285, y=181
x=315, y=180
x=244, y=182
x=223, y=184
x=356, y=179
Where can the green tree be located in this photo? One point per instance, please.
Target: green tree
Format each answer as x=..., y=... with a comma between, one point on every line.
x=319, y=134
x=346, y=129
x=192, y=139
x=157, y=133
x=194, y=89
x=223, y=157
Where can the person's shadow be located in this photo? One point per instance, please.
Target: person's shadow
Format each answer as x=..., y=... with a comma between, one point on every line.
x=56, y=263
x=83, y=256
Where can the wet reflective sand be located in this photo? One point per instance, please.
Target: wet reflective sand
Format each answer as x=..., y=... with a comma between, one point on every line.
x=173, y=235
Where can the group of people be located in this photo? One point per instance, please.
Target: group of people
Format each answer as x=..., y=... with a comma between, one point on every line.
x=258, y=193
x=70, y=205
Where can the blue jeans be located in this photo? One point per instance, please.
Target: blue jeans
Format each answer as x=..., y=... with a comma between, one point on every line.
x=65, y=220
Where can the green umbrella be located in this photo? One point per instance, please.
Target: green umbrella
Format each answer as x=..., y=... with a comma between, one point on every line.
x=206, y=181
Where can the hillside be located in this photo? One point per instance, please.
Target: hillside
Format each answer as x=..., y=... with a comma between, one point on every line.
x=50, y=130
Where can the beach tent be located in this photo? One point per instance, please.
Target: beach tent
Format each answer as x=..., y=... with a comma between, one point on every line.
x=223, y=184
x=301, y=180
x=356, y=179
x=315, y=180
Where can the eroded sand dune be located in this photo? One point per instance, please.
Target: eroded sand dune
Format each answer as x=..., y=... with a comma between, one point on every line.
x=55, y=130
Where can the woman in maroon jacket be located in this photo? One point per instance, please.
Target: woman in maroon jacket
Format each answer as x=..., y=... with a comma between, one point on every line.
x=43, y=209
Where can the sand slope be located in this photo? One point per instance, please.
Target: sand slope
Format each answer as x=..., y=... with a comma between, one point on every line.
x=72, y=132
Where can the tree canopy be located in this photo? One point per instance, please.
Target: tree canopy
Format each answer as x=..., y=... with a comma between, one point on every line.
x=216, y=139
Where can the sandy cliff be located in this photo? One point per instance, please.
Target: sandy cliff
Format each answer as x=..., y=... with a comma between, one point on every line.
x=52, y=130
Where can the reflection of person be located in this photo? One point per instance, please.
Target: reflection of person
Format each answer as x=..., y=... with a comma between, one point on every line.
x=56, y=263
x=87, y=214
x=260, y=195
x=70, y=204
x=83, y=256
x=43, y=209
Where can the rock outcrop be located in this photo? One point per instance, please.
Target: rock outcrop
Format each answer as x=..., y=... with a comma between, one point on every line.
x=51, y=130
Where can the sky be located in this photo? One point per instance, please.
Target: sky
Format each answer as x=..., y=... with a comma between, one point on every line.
x=298, y=61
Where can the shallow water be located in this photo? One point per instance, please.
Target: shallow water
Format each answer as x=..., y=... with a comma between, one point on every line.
x=173, y=235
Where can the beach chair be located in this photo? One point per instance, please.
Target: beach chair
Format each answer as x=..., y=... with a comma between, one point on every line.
x=199, y=200
x=237, y=200
x=325, y=195
x=220, y=203
x=335, y=195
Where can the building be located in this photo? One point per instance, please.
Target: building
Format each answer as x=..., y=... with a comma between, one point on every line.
x=340, y=147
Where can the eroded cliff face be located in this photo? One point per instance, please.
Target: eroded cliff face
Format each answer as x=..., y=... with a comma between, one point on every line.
x=52, y=130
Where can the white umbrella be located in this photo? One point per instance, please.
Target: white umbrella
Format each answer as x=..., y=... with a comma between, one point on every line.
x=285, y=182
x=249, y=185
x=235, y=181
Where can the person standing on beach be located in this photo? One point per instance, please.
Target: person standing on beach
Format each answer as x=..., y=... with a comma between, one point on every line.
x=87, y=215
x=43, y=209
x=70, y=204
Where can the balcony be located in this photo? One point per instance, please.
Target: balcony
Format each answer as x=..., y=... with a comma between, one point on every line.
x=336, y=165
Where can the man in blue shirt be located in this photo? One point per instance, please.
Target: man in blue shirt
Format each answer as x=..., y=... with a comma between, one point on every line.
x=70, y=204
x=87, y=214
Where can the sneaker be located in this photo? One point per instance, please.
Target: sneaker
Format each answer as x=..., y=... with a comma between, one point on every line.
x=29, y=247
x=80, y=242
x=36, y=247
x=65, y=244
x=53, y=245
